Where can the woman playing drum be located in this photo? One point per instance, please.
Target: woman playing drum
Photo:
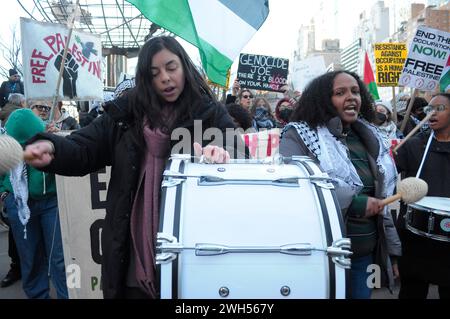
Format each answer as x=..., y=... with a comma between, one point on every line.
x=426, y=260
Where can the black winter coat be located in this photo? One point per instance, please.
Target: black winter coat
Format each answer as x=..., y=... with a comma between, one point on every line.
x=108, y=141
x=429, y=257
x=7, y=88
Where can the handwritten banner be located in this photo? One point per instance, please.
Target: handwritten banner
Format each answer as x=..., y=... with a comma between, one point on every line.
x=262, y=72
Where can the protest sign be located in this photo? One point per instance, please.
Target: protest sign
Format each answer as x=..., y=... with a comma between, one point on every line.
x=81, y=226
x=389, y=61
x=265, y=143
x=262, y=72
x=306, y=70
x=426, y=59
x=42, y=51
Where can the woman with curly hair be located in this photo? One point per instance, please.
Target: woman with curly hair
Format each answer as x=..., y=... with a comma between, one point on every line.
x=333, y=124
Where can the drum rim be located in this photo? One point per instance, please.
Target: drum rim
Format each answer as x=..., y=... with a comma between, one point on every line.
x=427, y=235
x=429, y=210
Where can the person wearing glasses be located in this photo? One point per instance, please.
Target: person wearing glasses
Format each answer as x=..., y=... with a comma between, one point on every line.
x=13, y=85
x=244, y=97
x=41, y=109
x=424, y=260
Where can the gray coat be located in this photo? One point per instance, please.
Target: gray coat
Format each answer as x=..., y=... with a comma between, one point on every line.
x=388, y=240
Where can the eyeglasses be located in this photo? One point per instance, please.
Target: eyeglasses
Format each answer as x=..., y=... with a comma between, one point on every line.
x=438, y=108
x=42, y=108
x=247, y=96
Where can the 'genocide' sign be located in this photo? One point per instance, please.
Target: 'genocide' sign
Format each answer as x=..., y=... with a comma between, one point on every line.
x=389, y=61
x=262, y=72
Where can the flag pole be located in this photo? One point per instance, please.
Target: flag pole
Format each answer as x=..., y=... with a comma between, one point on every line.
x=408, y=111
x=63, y=61
x=394, y=107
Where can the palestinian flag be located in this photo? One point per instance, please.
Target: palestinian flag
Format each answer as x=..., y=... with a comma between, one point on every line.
x=369, y=79
x=444, y=83
x=218, y=28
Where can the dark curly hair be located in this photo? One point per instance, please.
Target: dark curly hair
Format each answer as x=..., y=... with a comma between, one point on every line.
x=240, y=115
x=315, y=106
x=418, y=104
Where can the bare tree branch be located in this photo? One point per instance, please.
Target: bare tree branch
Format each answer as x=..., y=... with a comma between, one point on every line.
x=11, y=53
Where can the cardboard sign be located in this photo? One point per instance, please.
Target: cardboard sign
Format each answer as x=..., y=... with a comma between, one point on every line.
x=389, y=61
x=263, y=144
x=82, y=203
x=306, y=70
x=262, y=72
x=42, y=51
x=426, y=59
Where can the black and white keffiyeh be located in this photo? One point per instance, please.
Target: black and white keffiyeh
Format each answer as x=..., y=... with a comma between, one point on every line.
x=334, y=160
x=123, y=86
x=19, y=182
x=308, y=136
x=331, y=154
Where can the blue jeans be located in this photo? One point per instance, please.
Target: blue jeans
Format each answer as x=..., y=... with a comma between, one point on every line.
x=358, y=277
x=41, y=253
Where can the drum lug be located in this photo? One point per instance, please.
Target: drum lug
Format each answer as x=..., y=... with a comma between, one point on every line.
x=167, y=248
x=171, y=182
x=430, y=224
x=322, y=184
x=339, y=252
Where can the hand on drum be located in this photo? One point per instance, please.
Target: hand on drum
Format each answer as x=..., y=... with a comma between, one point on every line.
x=39, y=154
x=374, y=206
x=211, y=154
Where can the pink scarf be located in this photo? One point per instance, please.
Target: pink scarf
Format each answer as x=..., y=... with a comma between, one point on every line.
x=145, y=211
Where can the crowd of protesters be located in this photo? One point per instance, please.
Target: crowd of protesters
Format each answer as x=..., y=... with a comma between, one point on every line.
x=334, y=121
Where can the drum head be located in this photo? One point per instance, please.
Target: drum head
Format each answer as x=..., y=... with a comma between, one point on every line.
x=434, y=203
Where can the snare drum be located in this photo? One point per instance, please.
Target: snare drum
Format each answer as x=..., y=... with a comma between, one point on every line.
x=430, y=217
x=250, y=230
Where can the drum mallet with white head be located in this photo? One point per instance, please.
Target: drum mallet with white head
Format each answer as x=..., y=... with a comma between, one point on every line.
x=11, y=153
x=409, y=190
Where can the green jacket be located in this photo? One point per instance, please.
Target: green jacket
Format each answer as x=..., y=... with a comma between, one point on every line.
x=23, y=124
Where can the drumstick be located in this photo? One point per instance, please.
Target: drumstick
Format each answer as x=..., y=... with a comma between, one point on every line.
x=11, y=154
x=409, y=190
x=413, y=131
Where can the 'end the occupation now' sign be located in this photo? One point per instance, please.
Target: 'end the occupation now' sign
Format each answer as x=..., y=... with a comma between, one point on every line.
x=262, y=72
x=426, y=60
